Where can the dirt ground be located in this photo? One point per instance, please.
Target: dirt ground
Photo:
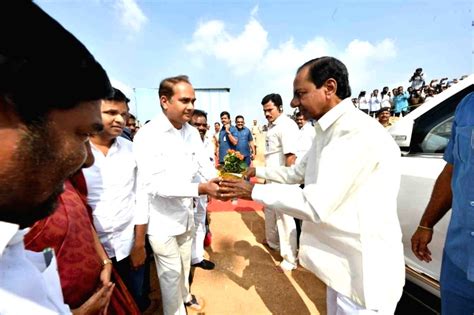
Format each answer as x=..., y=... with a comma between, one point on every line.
x=246, y=279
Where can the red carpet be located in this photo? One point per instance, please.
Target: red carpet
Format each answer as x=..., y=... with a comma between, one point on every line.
x=241, y=206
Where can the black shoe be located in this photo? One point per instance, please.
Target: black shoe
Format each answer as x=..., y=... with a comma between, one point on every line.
x=205, y=264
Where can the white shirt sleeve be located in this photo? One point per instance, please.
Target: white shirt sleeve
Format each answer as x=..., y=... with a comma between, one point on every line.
x=141, y=205
x=294, y=202
x=289, y=137
x=207, y=171
x=337, y=175
x=293, y=174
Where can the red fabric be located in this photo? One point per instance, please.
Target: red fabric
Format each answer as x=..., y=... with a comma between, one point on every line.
x=69, y=232
x=78, y=181
x=240, y=206
x=121, y=302
x=208, y=239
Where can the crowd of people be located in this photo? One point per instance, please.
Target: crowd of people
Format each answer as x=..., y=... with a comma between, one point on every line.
x=400, y=102
x=84, y=203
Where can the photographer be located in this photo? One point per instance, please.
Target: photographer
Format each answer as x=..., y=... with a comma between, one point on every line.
x=417, y=79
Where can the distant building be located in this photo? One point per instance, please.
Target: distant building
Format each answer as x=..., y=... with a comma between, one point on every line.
x=213, y=101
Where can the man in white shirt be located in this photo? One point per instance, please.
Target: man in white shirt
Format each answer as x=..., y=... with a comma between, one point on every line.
x=374, y=102
x=170, y=154
x=351, y=236
x=280, y=148
x=199, y=120
x=362, y=102
x=307, y=134
x=50, y=91
x=305, y=141
x=111, y=195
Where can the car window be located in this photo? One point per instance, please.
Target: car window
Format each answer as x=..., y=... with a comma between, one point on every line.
x=437, y=138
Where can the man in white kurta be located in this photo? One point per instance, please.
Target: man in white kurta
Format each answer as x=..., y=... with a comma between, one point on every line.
x=199, y=121
x=169, y=155
x=280, y=148
x=351, y=236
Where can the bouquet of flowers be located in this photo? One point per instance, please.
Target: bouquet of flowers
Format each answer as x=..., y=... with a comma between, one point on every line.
x=234, y=164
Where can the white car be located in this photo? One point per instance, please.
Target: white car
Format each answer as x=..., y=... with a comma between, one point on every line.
x=422, y=136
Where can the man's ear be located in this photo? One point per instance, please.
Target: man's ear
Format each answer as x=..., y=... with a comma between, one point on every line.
x=331, y=87
x=164, y=102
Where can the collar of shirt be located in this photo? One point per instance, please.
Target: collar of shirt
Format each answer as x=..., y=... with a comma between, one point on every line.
x=276, y=121
x=113, y=148
x=9, y=235
x=162, y=124
x=334, y=113
x=307, y=125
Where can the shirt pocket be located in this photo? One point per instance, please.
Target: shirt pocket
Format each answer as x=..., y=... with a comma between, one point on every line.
x=464, y=145
x=272, y=143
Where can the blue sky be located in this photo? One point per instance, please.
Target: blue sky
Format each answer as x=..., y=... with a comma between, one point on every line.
x=255, y=47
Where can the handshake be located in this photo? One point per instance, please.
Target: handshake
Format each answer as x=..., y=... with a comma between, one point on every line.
x=225, y=188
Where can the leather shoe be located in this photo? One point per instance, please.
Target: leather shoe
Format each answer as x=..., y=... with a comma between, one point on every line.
x=205, y=264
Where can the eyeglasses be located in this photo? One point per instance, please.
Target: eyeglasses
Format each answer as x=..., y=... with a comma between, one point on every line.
x=199, y=125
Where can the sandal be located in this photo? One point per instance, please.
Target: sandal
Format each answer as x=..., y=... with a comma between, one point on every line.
x=194, y=304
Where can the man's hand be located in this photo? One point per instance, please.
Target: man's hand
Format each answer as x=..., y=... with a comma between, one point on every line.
x=211, y=188
x=97, y=303
x=419, y=244
x=235, y=188
x=250, y=172
x=227, y=127
x=137, y=257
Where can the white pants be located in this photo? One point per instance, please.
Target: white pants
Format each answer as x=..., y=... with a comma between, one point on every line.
x=338, y=304
x=197, y=253
x=280, y=231
x=271, y=230
x=173, y=263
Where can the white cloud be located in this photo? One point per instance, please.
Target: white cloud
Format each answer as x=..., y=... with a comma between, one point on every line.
x=365, y=62
x=242, y=52
x=131, y=16
x=266, y=69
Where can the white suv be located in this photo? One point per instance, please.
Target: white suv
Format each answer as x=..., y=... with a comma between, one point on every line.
x=422, y=136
